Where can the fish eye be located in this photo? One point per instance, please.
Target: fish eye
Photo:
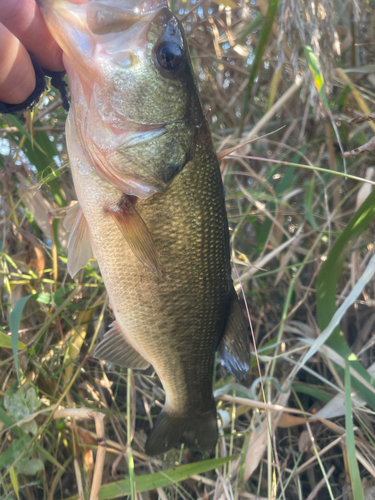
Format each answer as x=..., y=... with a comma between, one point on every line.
x=169, y=56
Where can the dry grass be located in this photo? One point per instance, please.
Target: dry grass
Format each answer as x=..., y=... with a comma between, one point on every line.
x=302, y=248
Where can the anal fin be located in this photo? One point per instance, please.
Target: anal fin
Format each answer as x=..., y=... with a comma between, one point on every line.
x=79, y=246
x=136, y=234
x=115, y=349
x=234, y=348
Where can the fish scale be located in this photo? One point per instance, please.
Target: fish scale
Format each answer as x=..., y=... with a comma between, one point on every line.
x=188, y=308
x=152, y=208
x=195, y=261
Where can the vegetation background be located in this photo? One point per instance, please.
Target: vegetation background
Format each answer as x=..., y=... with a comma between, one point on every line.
x=301, y=213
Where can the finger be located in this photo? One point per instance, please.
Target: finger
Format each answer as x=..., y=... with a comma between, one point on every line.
x=17, y=76
x=24, y=19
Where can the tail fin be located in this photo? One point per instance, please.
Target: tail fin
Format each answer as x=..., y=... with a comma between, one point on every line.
x=198, y=432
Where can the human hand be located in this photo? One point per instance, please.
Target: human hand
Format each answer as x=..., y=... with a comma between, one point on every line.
x=23, y=29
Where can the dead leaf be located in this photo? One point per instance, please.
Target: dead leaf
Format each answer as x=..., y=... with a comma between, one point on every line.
x=346, y=43
x=364, y=118
x=371, y=79
x=287, y=420
x=258, y=440
x=227, y=152
x=369, y=147
x=88, y=456
x=38, y=206
x=368, y=488
x=38, y=260
x=365, y=189
x=304, y=441
x=336, y=407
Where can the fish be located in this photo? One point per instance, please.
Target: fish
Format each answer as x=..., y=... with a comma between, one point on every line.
x=151, y=207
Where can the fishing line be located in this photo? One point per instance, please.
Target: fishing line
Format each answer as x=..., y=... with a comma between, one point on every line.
x=255, y=347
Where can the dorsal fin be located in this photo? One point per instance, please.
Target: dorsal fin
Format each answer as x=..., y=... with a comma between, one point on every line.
x=79, y=246
x=234, y=348
x=136, y=234
x=115, y=349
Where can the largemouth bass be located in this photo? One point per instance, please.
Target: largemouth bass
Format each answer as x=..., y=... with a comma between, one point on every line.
x=151, y=206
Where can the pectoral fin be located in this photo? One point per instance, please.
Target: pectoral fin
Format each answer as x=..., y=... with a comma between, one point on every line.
x=234, y=349
x=115, y=349
x=136, y=234
x=79, y=246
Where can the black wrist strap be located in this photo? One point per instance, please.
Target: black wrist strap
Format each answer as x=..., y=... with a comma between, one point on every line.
x=57, y=81
x=40, y=86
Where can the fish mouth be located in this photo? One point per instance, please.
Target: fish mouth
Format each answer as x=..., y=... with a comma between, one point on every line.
x=76, y=27
x=101, y=17
x=131, y=6
x=113, y=16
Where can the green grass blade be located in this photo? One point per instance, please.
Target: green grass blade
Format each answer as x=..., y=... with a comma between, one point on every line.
x=286, y=182
x=159, y=479
x=47, y=456
x=326, y=289
x=355, y=477
x=332, y=267
x=6, y=342
x=266, y=31
x=13, y=477
x=251, y=27
x=128, y=432
x=309, y=198
x=16, y=123
x=14, y=322
x=313, y=391
x=317, y=74
x=44, y=163
x=337, y=317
